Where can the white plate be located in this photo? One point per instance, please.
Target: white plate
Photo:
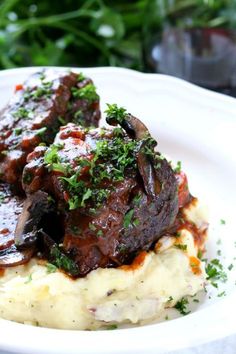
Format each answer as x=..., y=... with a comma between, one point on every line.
x=197, y=127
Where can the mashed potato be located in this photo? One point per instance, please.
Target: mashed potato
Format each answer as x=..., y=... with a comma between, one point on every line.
x=42, y=295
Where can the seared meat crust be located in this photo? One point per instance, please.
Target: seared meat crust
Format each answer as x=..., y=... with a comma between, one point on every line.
x=46, y=101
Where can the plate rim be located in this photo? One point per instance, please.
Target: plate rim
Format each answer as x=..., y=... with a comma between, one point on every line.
x=143, y=337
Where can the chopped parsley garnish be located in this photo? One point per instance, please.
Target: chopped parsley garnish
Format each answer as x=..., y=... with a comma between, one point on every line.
x=27, y=177
x=118, y=131
x=79, y=193
x=2, y=197
x=61, y=120
x=51, y=268
x=86, y=196
x=230, y=267
x=99, y=233
x=29, y=279
x=92, y=227
x=41, y=131
x=78, y=117
x=178, y=167
x=60, y=260
x=112, y=327
x=181, y=247
x=42, y=91
x=17, y=131
x=170, y=299
x=222, y=221
x=110, y=160
x=21, y=113
x=223, y=293
x=52, y=159
x=115, y=113
x=181, y=306
x=136, y=222
x=148, y=149
x=127, y=218
x=87, y=92
x=215, y=272
x=81, y=77
x=137, y=199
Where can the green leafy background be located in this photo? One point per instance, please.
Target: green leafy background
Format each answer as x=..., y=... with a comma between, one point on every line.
x=97, y=33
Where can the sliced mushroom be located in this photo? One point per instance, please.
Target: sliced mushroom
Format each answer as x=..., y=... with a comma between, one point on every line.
x=11, y=256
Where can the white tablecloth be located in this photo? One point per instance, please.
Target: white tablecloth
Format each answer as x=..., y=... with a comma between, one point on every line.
x=223, y=346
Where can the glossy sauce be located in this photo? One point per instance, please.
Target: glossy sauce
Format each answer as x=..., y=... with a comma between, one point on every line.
x=137, y=262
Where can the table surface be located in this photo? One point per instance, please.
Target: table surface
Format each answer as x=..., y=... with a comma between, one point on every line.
x=223, y=346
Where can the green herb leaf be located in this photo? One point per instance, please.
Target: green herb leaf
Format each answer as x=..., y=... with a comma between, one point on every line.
x=86, y=196
x=52, y=159
x=81, y=77
x=230, y=267
x=87, y=92
x=17, y=131
x=181, y=306
x=21, y=113
x=115, y=113
x=181, y=247
x=60, y=260
x=127, y=218
x=92, y=227
x=178, y=167
x=51, y=268
x=29, y=279
x=215, y=272
x=41, y=131
x=111, y=327
x=223, y=293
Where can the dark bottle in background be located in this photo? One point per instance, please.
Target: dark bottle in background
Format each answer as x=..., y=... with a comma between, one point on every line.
x=201, y=55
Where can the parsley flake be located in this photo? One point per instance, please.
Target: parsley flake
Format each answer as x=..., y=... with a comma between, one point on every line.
x=60, y=260
x=51, y=268
x=215, y=272
x=181, y=306
x=29, y=279
x=87, y=92
x=127, y=218
x=115, y=113
x=181, y=247
x=178, y=167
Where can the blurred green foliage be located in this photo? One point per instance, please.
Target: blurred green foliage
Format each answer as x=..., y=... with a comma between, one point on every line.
x=96, y=32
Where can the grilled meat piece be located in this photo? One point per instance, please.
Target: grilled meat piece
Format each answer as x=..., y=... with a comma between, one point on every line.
x=115, y=194
x=46, y=101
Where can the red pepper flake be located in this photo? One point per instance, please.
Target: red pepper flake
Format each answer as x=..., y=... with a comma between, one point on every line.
x=18, y=87
x=4, y=231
